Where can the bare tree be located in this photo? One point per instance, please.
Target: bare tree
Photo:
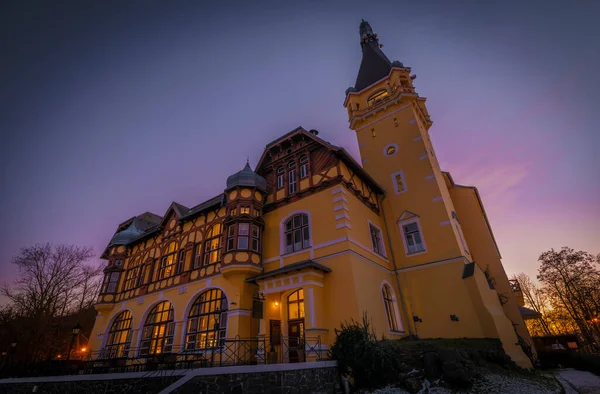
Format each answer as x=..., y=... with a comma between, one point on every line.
x=536, y=299
x=54, y=281
x=572, y=281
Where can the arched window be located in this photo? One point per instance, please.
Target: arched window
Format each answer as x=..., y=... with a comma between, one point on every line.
x=157, y=335
x=303, y=166
x=296, y=305
x=212, y=245
x=119, y=337
x=280, y=177
x=377, y=97
x=296, y=234
x=168, y=262
x=391, y=309
x=207, y=321
x=292, y=177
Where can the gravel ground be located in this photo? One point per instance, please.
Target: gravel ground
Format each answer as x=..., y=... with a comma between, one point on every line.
x=493, y=383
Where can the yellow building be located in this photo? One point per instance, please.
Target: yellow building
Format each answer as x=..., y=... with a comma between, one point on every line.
x=311, y=239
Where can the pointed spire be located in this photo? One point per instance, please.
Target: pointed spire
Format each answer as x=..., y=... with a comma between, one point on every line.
x=374, y=65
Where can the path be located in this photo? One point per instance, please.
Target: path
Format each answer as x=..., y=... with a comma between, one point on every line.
x=581, y=382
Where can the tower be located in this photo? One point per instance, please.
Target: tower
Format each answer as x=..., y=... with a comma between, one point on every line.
x=446, y=292
x=392, y=124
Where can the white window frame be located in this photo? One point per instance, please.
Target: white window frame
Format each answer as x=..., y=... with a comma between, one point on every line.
x=280, y=178
x=381, y=241
x=398, y=316
x=282, y=244
x=385, y=148
x=303, y=166
x=395, y=184
x=292, y=182
x=407, y=222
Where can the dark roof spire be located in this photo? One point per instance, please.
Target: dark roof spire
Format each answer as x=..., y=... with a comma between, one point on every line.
x=374, y=65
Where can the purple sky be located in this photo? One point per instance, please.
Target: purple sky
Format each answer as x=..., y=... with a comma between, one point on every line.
x=110, y=109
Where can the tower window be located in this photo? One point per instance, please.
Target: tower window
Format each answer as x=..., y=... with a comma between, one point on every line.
x=243, y=231
x=230, y=237
x=376, y=240
x=373, y=134
x=303, y=167
x=280, y=177
x=398, y=182
x=245, y=211
x=390, y=149
x=255, y=238
x=412, y=238
x=395, y=122
x=377, y=97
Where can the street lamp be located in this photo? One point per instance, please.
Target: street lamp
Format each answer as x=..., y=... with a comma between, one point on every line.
x=76, y=330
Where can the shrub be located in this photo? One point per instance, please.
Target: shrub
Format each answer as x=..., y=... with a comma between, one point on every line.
x=581, y=361
x=361, y=357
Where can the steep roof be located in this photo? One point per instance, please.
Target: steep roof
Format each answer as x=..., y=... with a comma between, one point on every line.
x=374, y=64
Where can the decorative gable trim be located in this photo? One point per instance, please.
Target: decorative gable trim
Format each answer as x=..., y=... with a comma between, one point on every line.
x=407, y=215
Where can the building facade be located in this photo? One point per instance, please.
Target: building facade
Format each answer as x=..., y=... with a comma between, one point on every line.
x=311, y=239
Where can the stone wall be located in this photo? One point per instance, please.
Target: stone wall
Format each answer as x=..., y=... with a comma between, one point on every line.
x=116, y=386
x=312, y=377
x=315, y=380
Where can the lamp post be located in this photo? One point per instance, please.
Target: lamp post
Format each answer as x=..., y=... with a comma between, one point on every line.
x=76, y=330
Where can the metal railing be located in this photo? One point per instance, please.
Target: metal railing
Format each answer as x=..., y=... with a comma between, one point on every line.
x=228, y=352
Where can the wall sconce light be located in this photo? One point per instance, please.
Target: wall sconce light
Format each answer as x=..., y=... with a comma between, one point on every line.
x=276, y=303
x=453, y=317
x=417, y=319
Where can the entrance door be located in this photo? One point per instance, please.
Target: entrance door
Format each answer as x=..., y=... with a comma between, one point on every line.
x=296, y=340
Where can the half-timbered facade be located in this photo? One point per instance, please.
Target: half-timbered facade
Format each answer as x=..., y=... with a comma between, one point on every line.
x=311, y=238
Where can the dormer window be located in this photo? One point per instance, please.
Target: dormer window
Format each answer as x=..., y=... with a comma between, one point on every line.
x=377, y=97
x=280, y=177
x=303, y=167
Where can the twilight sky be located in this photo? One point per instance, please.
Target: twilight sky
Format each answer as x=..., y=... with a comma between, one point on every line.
x=113, y=108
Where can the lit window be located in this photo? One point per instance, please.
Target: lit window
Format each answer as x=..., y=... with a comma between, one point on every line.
x=413, y=239
x=245, y=211
x=398, y=182
x=212, y=245
x=373, y=134
x=296, y=305
x=233, y=212
x=243, y=232
x=255, y=238
x=168, y=263
x=390, y=149
x=303, y=167
x=391, y=309
x=376, y=240
x=280, y=177
x=292, y=178
x=395, y=122
x=296, y=233
x=119, y=337
x=377, y=97
x=207, y=321
x=132, y=276
x=180, y=262
x=159, y=328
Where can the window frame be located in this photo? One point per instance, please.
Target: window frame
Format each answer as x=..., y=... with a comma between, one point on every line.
x=408, y=222
x=168, y=262
x=303, y=166
x=380, y=249
x=198, y=255
x=206, y=305
x=111, y=279
x=241, y=236
x=210, y=251
x=280, y=172
x=304, y=230
x=377, y=97
x=255, y=230
x=292, y=178
x=298, y=301
x=395, y=183
x=158, y=339
x=391, y=308
x=388, y=146
x=123, y=323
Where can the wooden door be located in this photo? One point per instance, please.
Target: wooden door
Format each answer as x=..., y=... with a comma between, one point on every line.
x=295, y=340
